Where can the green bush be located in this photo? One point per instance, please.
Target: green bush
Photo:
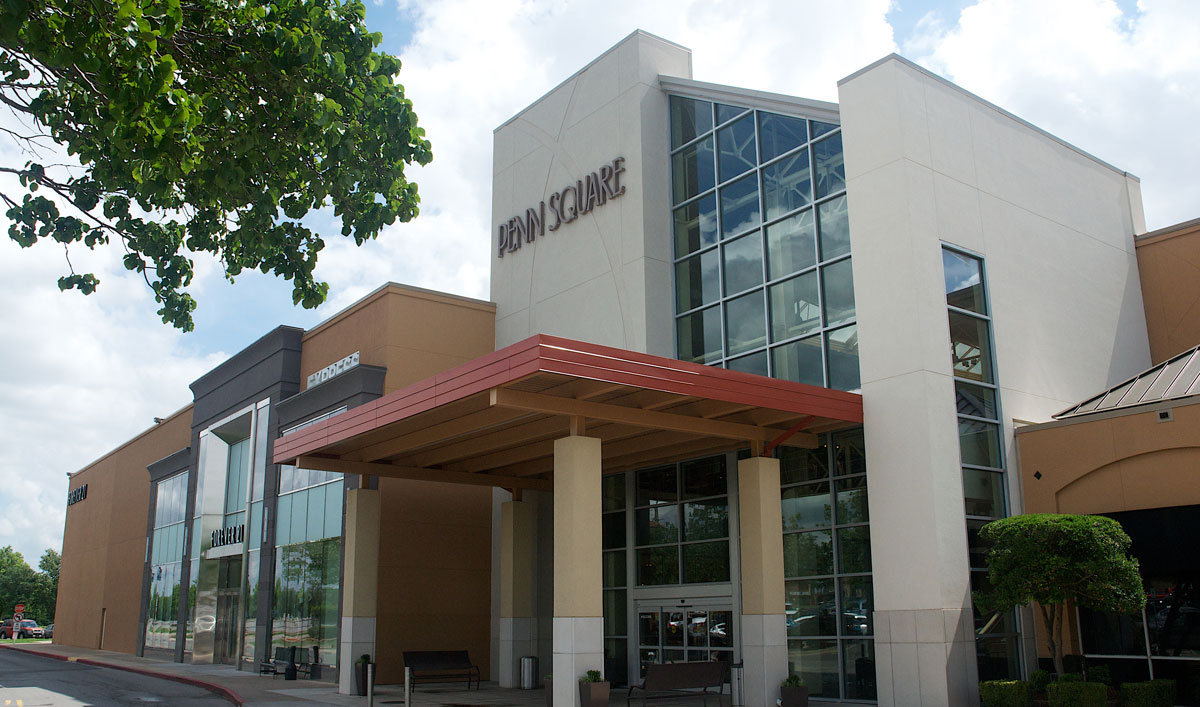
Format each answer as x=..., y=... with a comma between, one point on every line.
x=1138, y=694
x=1078, y=694
x=1070, y=677
x=1165, y=690
x=1099, y=673
x=1004, y=693
x=1038, y=680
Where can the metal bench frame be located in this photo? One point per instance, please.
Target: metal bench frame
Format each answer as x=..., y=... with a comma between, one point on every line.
x=673, y=681
x=441, y=666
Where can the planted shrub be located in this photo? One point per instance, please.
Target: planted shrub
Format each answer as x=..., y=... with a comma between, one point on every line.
x=1038, y=680
x=1070, y=677
x=1004, y=693
x=1078, y=694
x=1139, y=694
x=1165, y=689
x=1099, y=673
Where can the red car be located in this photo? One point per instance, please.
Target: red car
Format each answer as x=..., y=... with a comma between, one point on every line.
x=27, y=629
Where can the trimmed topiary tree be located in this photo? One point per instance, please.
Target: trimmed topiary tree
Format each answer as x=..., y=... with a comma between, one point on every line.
x=1004, y=693
x=1054, y=559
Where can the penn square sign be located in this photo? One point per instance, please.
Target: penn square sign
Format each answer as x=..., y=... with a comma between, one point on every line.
x=565, y=205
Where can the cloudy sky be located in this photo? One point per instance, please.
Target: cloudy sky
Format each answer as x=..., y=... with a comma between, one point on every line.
x=80, y=375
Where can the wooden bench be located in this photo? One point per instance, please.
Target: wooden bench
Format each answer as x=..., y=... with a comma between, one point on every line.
x=666, y=681
x=441, y=666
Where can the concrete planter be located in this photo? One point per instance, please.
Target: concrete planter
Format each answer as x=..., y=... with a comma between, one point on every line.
x=593, y=694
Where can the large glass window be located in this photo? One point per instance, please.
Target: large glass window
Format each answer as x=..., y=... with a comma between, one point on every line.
x=166, y=562
x=681, y=523
x=762, y=246
x=827, y=566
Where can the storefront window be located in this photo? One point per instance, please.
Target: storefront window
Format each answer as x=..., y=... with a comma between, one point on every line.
x=166, y=562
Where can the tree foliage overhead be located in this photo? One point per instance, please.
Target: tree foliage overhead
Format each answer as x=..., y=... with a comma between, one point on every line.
x=1054, y=559
x=203, y=126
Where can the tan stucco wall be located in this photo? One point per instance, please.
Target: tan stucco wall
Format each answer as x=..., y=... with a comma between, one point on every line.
x=435, y=570
x=1169, y=265
x=1107, y=465
x=415, y=333
x=104, y=542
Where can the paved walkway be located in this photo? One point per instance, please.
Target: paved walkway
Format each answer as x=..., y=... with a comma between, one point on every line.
x=252, y=690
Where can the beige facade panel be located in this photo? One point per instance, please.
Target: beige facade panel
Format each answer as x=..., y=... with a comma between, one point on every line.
x=104, y=541
x=1169, y=265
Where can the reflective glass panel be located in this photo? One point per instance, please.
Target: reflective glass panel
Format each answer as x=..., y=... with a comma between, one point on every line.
x=849, y=452
x=755, y=363
x=695, y=225
x=852, y=500
x=983, y=492
x=689, y=118
x=725, y=112
x=816, y=662
x=835, y=228
x=795, y=309
x=706, y=562
x=720, y=629
x=970, y=348
x=658, y=565
x=614, y=569
x=837, y=281
x=791, y=245
x=807, y=506
x=612, y=492
x=743, y=263
x=810, y=609
x=703, y=520
x=692, y=170
x=739, y=206
x=842, y=347
x=657, y=525
x=859, y=657
x=613, y=530
x=977, y=549
x=799, y=361
x=975, y=400
x=858, y=606
x=657, y=485
x=797, y=464
x=704, y=477
x=979, y=442
x=964, y=281
x=819, y=128
x=831, y=170
x=787, y=185
x=614, y=612
x=697, y=281
x=674, y=626
x=780, y=133
x=699, y=335
x=648, y=628
x=854, y=549
x=736, y=151
x=745, y=324
x=806, y=554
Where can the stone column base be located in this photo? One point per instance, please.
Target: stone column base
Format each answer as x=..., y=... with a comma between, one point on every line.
x=358, y=638
x=925, y=658
x=578, y=648
x=764, y=655
x=518, y=638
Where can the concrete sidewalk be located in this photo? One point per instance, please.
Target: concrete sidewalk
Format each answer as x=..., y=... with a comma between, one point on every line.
x=253, y=690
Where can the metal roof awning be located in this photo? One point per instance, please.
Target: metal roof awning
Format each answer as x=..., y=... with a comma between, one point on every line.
x=493, y=421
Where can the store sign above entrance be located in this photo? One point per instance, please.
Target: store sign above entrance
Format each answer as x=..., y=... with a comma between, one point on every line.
x=565, y=205
x=333, y=369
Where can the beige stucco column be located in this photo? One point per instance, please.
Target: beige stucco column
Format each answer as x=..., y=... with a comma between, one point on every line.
x=518, y=626
x=764, y=628
x=578, y=598
x=361, y=583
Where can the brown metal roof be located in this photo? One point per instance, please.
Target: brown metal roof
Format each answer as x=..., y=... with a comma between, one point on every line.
x=494, y=420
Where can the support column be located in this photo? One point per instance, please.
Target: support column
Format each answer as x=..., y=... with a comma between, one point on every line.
x=764, y=626
x=518, y=627
x=578, y=596
x=360, y=584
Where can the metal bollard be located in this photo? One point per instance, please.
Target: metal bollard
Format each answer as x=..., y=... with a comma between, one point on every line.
x=407, y=686
x=370, y=685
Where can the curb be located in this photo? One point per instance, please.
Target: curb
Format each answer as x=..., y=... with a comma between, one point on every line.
x=219, y=690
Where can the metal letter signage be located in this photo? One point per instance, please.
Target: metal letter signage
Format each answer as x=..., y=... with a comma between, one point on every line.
x=228, y=536
x=76, y=495
x=563, y=207
x=333, y=369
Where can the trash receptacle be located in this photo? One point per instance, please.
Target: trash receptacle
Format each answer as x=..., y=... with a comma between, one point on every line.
x=529, y=672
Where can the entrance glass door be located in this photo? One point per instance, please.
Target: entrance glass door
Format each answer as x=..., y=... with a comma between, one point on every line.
x=676, y=634
x=225, y=649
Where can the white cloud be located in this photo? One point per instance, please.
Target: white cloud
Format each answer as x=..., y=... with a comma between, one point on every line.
x=1126, y=89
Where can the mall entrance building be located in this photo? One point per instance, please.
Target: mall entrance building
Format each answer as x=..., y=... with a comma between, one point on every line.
x=746, y=389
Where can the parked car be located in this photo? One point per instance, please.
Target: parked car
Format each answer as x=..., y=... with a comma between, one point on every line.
x=26, y=629
x=50, y=631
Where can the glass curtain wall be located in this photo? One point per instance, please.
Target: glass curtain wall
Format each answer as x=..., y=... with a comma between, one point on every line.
x=827, y=566
x=980, y=438
x=308, y=531
x=254, y=535
x=166, y=562
x=762, y=244
x=616, y=619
